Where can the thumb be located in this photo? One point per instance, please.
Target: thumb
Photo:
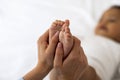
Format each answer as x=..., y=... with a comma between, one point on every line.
x=58, y=56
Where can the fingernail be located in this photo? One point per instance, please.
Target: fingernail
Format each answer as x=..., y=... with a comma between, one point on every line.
x=57, y=33
x=59, y=44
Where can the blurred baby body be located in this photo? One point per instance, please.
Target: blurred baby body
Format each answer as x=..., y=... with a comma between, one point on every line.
x=103, y=48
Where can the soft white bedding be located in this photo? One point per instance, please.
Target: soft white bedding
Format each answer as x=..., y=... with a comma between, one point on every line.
x=23, y=21
x=103, y=55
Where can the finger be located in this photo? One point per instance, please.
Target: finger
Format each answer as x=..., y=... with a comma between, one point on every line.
x=43, y=40
x=44, y=37
x=58, y=56
x=53, y=43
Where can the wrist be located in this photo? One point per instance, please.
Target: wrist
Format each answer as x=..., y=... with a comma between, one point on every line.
x=44, y=67
x=70, y=77
x=38, y=73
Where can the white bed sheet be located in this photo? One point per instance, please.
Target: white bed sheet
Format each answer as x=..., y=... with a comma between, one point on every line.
x=23, y=21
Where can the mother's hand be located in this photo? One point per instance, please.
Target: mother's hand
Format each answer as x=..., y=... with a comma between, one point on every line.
x=46, y=52
x=73, y=66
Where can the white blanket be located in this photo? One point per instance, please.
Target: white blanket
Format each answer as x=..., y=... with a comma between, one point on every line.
x=104, y=56
x=23, y=21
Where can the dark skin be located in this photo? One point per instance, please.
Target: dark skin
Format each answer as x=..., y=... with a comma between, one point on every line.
x=109, y=25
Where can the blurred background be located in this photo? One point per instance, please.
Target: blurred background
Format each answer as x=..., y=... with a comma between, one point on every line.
x=23, y=21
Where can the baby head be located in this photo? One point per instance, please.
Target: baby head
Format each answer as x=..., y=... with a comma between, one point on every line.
x=109, y=24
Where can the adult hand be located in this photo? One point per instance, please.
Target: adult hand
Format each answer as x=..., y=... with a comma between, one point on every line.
x=45, y=57
x=73, y=66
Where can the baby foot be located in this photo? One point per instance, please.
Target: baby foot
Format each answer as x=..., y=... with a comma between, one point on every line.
x=66, y=38
x=56, y=26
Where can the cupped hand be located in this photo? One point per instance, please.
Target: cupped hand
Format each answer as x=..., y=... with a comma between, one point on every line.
x=46, y=52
